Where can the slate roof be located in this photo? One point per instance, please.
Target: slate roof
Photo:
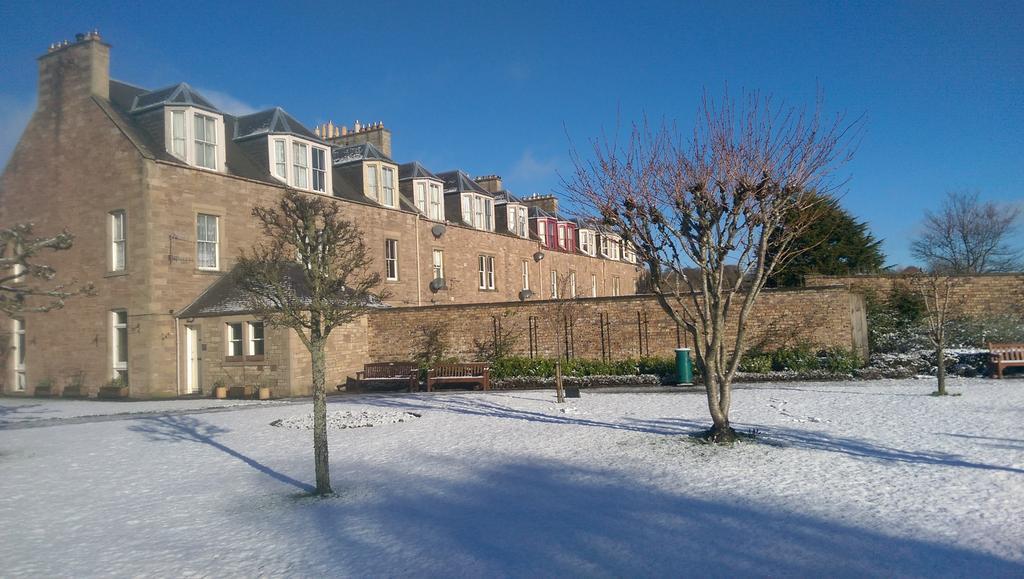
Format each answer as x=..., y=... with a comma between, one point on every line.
x=225, y=296
x=415, y=170
x=360, y=152
x=459, y=182
x=179, y=94
x=271, y=121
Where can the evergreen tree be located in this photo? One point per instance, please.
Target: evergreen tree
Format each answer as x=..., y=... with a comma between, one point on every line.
x=834, y=244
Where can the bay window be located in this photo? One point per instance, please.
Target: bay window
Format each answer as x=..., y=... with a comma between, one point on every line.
x=389, y=186
x=178, y=138
x=436, y=207
x=421, y=197
x=280, y=159
x=371, y=183
x=319, y=158
x=300, y=168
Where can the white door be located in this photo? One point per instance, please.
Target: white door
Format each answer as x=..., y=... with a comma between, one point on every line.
x=193, y=360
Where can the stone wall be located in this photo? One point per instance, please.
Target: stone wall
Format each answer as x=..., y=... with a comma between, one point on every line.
x=977, y=295
x=613, y=328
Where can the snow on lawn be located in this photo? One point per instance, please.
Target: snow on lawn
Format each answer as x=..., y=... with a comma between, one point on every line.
x=30, y=410
x=848, y=479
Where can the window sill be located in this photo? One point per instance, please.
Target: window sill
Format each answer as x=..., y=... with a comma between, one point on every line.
x=396, y=280
x=202, y=271
x=245, y=361
x=483, y=289
x=119, y=273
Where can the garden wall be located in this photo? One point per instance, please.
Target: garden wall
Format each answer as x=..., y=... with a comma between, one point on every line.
x=612, y=328
x=982, y=295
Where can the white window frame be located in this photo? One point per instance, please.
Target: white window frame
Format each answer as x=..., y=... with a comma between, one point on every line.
x=234, y=340
x=119, y=366
x=118, y=241
x=561, y=235
x=524, y=222
x=587, y=242
x=615, y=285
x=251, y=340
x=215, y=242
x=486, y=271
x=526, y=274
x=372, y=186
x=391, y=259
x=321, y=174
x=300, y=165
x=572, y=284
x=593, y=285
x=467, y=209
x=18, y=353
x=173, y=142
x=209, y=122
x=554, y=285
x=437, y=263
x=420, y=191
x=436, y=202
x=542, y=231
x=279, y=157
x=387, y=186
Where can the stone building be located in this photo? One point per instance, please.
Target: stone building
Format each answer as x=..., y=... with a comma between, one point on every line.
x=157, y=186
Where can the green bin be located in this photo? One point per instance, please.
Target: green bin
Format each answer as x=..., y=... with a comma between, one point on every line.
x=684, y=366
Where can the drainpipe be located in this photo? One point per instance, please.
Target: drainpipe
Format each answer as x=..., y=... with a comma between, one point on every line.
x=419, y=289
x=177, y=356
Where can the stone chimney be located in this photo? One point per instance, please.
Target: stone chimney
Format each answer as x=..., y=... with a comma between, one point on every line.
x=72, y=72
x=490, y=182
x=342, y=136
x=548, y=203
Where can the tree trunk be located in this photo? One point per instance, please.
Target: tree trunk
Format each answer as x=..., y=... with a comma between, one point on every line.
x=940, y=371
x=718, y=405
x=320, y=456
x=559, y=390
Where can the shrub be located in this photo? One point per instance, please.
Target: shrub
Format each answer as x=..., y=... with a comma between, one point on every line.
x=839, y=360
x=663, y=367
x=798, y=358
x=978, y=331
x=512, y=366
x=756, y=362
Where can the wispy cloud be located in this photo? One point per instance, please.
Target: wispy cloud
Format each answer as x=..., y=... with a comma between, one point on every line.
x=228, y=103
x=14, y=115
x=530, y=168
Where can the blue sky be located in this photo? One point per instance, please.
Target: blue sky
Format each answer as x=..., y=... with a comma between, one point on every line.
x=500, y=89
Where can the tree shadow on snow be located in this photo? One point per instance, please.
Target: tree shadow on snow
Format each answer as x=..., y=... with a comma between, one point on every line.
x=816, y=440
x=547, y=518
x=171, y=428
x=21, y=413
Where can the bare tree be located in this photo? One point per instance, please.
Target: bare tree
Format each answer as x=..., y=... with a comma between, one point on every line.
x=311, y=274
x=968, y=236
x=715, y=199
x=563, y=321
x=942, y=304
x=25, y=285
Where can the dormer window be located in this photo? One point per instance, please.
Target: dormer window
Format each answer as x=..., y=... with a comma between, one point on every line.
x=428, y=199
x=299, y=163
x=587, y=242
x=379, y=183
x=478, y=211
x=195, y=136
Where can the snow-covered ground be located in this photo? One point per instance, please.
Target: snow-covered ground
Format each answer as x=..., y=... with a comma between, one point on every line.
x=848, y=479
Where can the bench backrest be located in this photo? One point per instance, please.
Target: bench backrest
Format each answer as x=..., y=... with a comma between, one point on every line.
x=459, y=370
x=1007, y=351
x=389, y=369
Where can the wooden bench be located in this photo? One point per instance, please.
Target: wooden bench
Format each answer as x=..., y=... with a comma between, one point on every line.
x=382, y=372
x=1005, y=355
x=472, y=373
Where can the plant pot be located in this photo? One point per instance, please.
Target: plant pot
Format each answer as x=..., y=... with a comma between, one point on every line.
x=264, y=393
x=240, y=392
x=113, y=392
x=73, y=392
x=220, y=392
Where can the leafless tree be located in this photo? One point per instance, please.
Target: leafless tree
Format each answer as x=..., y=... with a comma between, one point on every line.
x=312, y=273
x=565, y=312
x=711, y=200
x=942, y=304
x=26, y=285
x=968, y=236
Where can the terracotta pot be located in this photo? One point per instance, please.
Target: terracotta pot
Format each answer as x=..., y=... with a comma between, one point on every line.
x=264, y=393
x=220, y=392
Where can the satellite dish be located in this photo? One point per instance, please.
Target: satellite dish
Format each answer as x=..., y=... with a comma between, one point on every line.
x=538, y=256
x=525, y=295
x=438, y=230
x=437, y=285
